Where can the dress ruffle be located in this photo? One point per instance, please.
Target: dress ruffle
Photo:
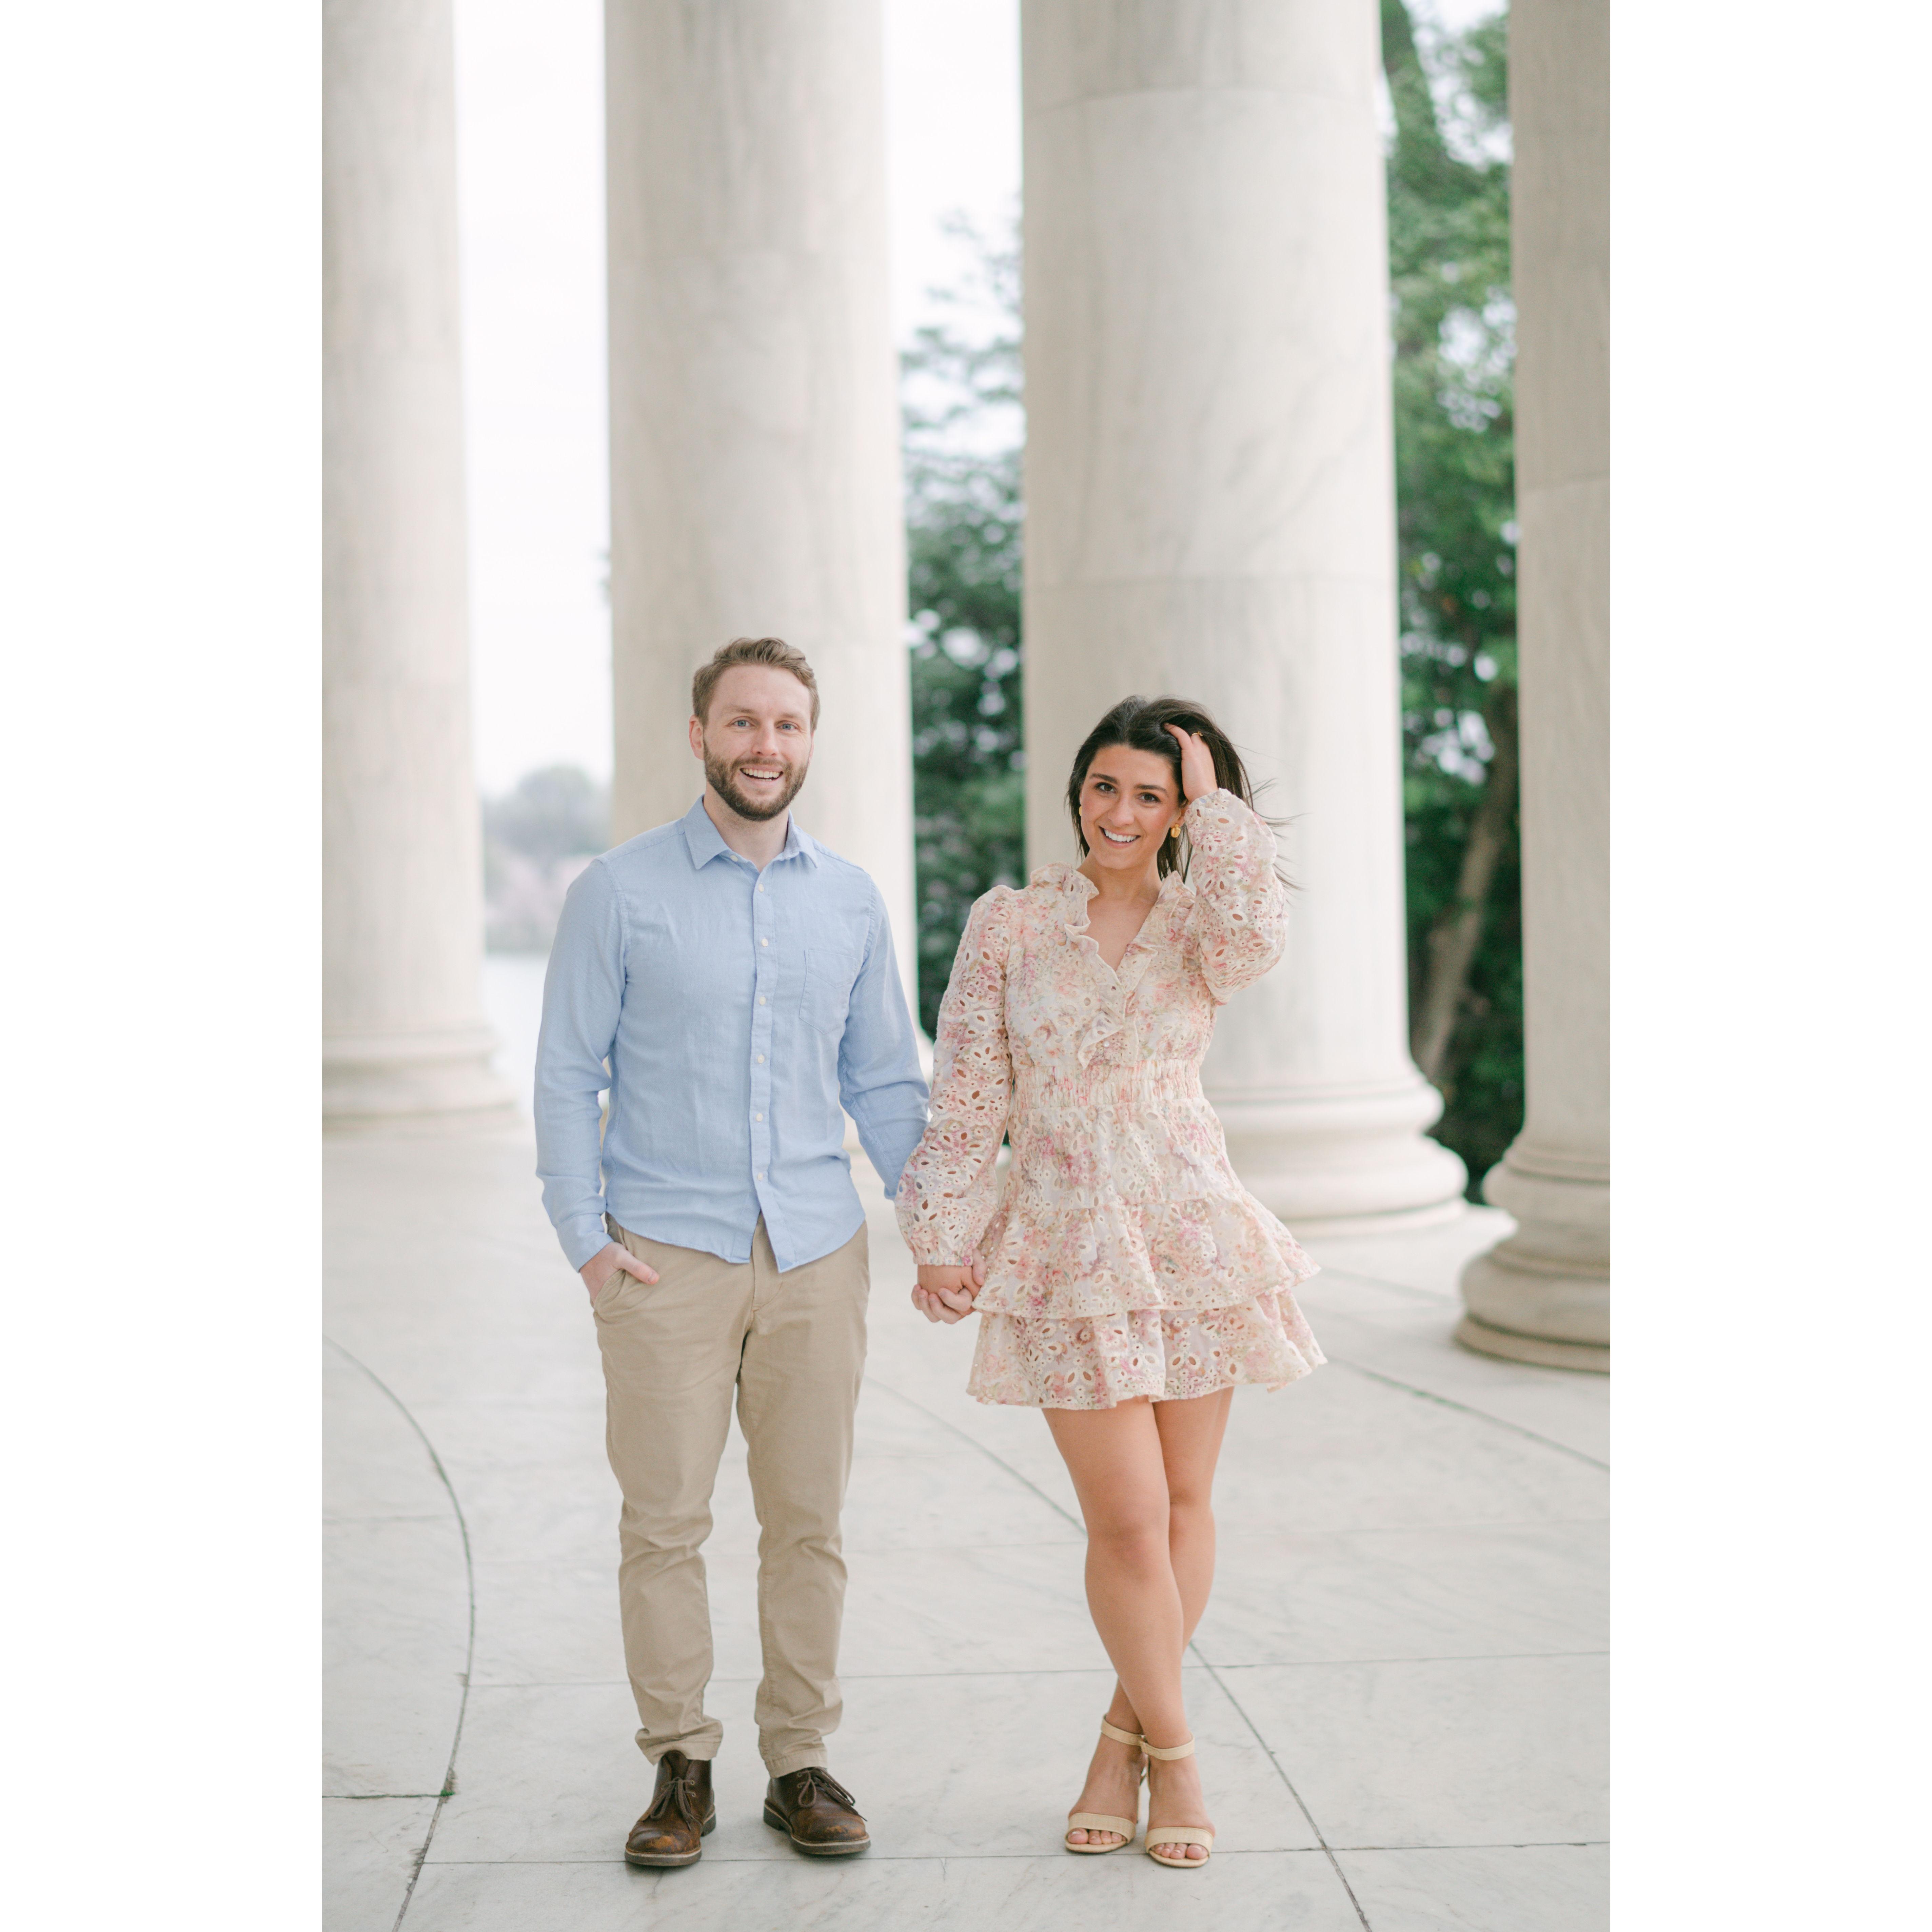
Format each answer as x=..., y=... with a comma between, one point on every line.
x=1097, y=1002
x=1121, y=1257
x=1167, y=1355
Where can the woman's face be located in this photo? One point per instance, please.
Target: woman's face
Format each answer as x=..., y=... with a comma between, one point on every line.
x=1129, y=802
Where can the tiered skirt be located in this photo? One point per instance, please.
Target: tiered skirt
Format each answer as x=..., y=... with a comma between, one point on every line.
x=1087, y=1306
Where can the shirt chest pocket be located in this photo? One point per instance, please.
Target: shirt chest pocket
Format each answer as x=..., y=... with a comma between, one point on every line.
x=829, y=973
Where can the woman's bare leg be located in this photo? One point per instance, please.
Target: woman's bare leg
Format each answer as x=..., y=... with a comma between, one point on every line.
x=1191, y=1434
x=1118, y=1459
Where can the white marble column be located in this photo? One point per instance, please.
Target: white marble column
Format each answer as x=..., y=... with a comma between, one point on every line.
x=754, y=463
x=403, y=1022
x=1543, y=1295
x=1210, y=512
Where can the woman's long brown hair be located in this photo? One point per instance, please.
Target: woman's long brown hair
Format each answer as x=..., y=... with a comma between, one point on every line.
x=1140, y=724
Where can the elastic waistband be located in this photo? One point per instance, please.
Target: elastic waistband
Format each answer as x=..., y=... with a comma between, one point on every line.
x=1111, y=1086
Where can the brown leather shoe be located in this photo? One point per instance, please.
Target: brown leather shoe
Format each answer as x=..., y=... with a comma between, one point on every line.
x=817, y=1812
x=683, y=1810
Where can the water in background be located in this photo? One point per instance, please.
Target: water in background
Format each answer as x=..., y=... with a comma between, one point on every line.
x=513, y=1004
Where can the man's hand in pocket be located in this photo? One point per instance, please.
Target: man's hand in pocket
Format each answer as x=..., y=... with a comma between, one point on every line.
x=612, y=1259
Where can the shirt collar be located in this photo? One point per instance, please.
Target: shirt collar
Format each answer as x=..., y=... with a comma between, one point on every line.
x=704, y=842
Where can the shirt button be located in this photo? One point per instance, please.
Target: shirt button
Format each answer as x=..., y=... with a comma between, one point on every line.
x=761, y=888
x=761, y=1174
x=761, y=999
x=764, y=942
x=760, y=1058
x=757, y=1117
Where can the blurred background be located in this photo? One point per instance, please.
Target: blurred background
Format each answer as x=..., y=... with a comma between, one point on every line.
x=1006, y=356
x=530, y=128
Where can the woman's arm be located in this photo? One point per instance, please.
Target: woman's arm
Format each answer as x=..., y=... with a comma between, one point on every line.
x=947, y=1191
x=1240, y=912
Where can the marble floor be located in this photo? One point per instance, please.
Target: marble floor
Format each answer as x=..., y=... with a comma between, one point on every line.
x=1399, y=1690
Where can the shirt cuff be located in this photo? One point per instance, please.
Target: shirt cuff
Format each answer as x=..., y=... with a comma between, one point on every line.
x=582, y=1236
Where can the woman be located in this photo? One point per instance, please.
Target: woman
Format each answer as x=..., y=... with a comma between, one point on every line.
x=1127, y=1280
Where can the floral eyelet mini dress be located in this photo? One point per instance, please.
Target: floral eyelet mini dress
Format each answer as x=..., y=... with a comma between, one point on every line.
x=1124, y=1258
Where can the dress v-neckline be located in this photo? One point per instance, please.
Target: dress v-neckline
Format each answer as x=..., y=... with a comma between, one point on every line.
x=1115, y=966
x=1080, y=926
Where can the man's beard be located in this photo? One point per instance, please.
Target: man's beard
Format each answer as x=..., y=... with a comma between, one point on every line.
x=723, y=780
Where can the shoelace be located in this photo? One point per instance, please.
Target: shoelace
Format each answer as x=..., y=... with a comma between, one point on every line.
x=682, y=1793
x=817, y=1774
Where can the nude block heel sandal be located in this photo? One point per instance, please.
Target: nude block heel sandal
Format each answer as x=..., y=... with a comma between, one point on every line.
x=1098, y=1821
x=1176, y=1835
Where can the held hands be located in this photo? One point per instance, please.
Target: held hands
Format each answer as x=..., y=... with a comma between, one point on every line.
x=946, y=1294
x=1197, y=765
x=612, y=1259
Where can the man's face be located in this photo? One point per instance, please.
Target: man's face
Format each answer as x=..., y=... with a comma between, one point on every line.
x=757, y=743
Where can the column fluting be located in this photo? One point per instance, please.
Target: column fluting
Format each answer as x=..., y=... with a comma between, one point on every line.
x=754, y=453
x=1211, y=512
x=404, y=1028
x=1543, y=1295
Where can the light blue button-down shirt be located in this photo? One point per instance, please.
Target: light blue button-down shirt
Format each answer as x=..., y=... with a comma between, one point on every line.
x=736, y=1009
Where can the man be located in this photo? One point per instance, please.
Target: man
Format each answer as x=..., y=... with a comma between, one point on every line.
x=738, y=978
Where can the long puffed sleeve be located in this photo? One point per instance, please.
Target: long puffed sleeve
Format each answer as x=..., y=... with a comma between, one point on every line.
x=948, y=1190
x=1240, y=920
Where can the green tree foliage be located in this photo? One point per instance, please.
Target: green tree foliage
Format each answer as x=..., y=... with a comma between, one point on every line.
x=963, y=428
x=1454, y=329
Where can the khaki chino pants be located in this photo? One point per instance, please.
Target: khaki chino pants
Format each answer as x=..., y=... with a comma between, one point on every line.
x=793, y=1347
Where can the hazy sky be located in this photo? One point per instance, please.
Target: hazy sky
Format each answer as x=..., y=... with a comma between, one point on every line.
x=529, y=99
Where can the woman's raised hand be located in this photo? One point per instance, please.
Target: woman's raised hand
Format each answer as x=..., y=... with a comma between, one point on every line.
x=1197, y=765
x=946, y=1294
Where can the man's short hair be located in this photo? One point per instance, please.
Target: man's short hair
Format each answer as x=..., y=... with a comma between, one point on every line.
x=773, y=651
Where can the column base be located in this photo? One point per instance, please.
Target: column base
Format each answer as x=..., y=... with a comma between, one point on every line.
x=1543, y=1294
x=1354, y=1162
x=425, y=1079
x=1480, y=1336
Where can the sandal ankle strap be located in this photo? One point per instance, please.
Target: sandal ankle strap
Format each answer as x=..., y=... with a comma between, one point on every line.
x=1166, y=1756
x=1120, y=1737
